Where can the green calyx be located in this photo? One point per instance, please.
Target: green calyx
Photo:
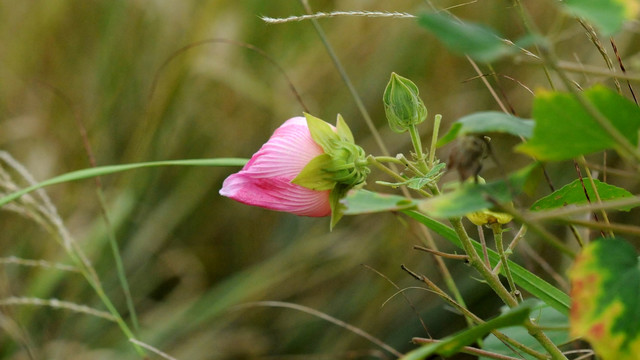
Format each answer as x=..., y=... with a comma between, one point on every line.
x=342, y=167
x=402, y=105
x=343, y=162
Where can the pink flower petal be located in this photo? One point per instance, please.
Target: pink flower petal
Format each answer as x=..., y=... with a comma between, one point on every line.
x=265, y=180
x=276, y=194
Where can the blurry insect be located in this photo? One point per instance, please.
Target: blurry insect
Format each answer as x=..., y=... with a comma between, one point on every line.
x=467, y=156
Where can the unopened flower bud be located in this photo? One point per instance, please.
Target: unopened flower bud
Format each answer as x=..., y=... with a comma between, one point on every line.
x=402, y=105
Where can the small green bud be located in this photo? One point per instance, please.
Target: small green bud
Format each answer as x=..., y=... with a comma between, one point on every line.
x=402, y=105
x=348, y=164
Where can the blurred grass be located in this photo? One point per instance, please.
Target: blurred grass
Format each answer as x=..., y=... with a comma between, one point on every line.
x=191, y=255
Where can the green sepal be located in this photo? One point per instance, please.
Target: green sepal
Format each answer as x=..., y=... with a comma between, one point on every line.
x=343, y=130
x=314, y=176
x=337, y=208
x=322, y=133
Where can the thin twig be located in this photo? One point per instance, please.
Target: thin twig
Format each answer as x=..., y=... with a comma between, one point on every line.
x=468, y=350
x=152, y=349
x=406, y=298
x=326, y=317
x=323, y=15
x=622, y=228
x=586, y=193
x=38, y=263
x=255, y=49
x=442, y=254
x=505, y=339
x=483, y=242
x=575, y=210
x=622, y=68
x=57, y=304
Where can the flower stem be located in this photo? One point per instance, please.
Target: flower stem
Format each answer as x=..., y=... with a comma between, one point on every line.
x=417, y=146
x=434, y=139
x=494, y=282
x=497, y=235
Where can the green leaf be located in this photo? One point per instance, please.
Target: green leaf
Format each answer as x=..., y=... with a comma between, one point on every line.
x=313, y=176
x=528, y=281
x=605, y=282
x=452, y=344
x=606, y=15
x=573, y=193
x=564, y=130
x=479, y=42
x=488, y=122
x=471, y=197
x=419, y=182
x=556, y=327
x=366, y=202
x=321, y=133
x=110, y=169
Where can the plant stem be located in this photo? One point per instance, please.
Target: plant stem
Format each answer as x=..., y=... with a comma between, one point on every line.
x=550, y=59
x=494, y=282
x=122, y=276
x=389, y=159
x=434, y=139
x=417, y=146
x=497, y=235
x=473, y=317
x=346, y=79
x=374, y=161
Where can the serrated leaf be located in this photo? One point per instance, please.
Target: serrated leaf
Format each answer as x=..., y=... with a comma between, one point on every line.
x=478, y=41
x=556, y=327
x=452, y=344
x=605, y=294
x=525, y=279
x=564, y=130
x=573, y=193
x=365, y=202
x=488, y=122
x=471, y=197
x=607, y=15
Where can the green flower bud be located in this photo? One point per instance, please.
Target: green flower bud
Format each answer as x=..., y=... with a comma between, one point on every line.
x=402, y=105
x=348, y=164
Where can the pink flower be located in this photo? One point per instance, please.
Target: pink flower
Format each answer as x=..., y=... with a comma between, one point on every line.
x=265, y=181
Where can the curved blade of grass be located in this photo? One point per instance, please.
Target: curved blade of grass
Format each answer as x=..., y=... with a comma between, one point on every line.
x=530, y=282
x=111, y=169
x=452, y=344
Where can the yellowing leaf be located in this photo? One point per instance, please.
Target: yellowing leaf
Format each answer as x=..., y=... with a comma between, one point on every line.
x=564, y=129
x=605, y=310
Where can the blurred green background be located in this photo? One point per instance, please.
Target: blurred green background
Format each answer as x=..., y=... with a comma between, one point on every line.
x=192, y=256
